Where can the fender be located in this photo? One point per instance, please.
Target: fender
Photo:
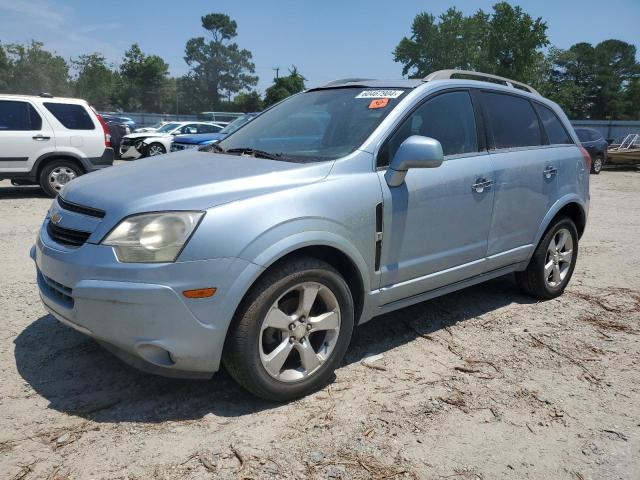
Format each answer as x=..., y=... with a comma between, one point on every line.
x=314, y=238
x=553, y=211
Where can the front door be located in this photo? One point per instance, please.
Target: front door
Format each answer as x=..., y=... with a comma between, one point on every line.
x=436, y=224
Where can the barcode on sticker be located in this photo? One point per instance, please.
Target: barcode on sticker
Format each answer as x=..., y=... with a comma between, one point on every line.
x=380, y=94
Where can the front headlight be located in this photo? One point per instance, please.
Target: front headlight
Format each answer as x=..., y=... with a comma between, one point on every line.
x=152, y=237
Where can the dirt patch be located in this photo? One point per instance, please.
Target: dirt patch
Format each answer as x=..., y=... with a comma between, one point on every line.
x=484, y=383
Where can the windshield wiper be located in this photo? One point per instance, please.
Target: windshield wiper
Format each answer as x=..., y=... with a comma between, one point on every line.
x=255, y=153
x=212, y=147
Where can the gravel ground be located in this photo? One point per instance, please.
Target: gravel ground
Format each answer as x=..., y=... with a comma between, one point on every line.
x=481, y=384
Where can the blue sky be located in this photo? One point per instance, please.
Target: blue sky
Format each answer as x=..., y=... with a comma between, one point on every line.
x=325, y=39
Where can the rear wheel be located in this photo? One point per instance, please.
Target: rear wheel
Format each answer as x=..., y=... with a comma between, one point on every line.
x=553, y=261
x=292, y=330
x=596, y=165
x=56, y=174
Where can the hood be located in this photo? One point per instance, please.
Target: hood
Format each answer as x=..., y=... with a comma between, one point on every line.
x=147, y=134
x=199, y=138
x=188, y=180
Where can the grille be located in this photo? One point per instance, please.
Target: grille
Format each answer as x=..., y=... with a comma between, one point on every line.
x=67, y=236
x=56, y=289
x=73, y=207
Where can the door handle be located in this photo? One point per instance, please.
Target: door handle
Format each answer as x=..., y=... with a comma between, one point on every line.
x=481, y=185
x=40, y=137
x=550, y=171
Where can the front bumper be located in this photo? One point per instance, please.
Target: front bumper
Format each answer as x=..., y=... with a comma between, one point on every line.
x=137, y=310
x=130, y=152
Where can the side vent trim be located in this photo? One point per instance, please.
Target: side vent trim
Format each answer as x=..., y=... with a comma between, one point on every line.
x=379, y=230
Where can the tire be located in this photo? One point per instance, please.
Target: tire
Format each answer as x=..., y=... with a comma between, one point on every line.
x=596, y=165
x=56, y=174
x=251, y=341
x=154, y=149
x=537, y=279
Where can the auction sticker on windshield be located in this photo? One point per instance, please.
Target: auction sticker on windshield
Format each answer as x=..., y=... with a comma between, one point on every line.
x=380, y=94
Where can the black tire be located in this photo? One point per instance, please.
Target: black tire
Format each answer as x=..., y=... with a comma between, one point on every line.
x=532, y=280
x=241, y=355
x=48, y=170
x=152, y=146
x=596, y=165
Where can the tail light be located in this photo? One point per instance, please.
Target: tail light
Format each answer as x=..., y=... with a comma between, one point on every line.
x=107, y=135
x=586, y=158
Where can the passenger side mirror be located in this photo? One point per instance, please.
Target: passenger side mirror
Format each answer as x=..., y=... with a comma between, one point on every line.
x=415, y=152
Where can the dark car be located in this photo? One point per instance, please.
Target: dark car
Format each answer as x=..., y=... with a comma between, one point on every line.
x=593, y=141
x=107, y=117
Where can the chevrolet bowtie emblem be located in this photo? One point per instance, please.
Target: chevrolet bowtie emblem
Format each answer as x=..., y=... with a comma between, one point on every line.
x=56, y=218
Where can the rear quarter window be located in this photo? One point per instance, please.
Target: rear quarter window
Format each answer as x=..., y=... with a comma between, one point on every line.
x=556, y=133
x=513, y=121
x=72, y=116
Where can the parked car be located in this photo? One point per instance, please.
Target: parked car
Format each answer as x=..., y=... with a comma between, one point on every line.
x=593, y=141
x=339, y=204
x=117, y=131
x=183, y=142
x=49, y=141
x=149, y=144
x=151, y=128
x=129, y=122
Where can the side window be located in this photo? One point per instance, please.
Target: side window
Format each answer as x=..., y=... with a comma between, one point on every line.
x=448, y=118
x=72, y=116
x=583, y=135
x=18, y=116
x=553, y=126
x=594, y=135
x=513, y=121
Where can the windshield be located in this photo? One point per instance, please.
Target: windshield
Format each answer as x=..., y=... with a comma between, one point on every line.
x=168, y=127
x=236, y=124
x=316, y=126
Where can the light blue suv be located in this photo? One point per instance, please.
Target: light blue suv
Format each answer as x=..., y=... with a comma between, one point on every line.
x=336, y=205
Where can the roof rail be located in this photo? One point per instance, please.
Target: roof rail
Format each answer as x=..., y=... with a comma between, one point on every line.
x=342, y=81
x=448, y=74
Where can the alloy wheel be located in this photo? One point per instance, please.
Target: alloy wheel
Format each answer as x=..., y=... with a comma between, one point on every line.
x=60, y=176
x=155, y=150
x=558, y=259
x=597, y=164
x=299, y=332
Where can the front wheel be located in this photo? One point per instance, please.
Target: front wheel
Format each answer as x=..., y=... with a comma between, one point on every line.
x=291, y=331
x=596, y=165
x=155, y=149
x=56, y=174
x=553, y=261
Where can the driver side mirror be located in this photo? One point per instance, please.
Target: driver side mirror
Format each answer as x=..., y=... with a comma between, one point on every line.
x=415, y=152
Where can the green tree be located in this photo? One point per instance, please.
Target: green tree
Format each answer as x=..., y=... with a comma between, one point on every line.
x=506, y=42
x=33, y=70
x=4, y=70
x=142, y=81
x=616, y=66
x=218, y=66
x=95, y=81
x=284, y=87
x=594, y=82
x=248, y=102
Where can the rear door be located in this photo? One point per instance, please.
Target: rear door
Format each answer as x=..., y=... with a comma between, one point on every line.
x=526, y=168
x=77, y=129
x=437, y=222
x=24, y=135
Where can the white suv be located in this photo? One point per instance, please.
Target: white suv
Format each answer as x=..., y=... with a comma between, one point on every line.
x=50, y=141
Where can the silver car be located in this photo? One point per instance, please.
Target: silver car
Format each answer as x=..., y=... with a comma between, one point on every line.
x=339, y=204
